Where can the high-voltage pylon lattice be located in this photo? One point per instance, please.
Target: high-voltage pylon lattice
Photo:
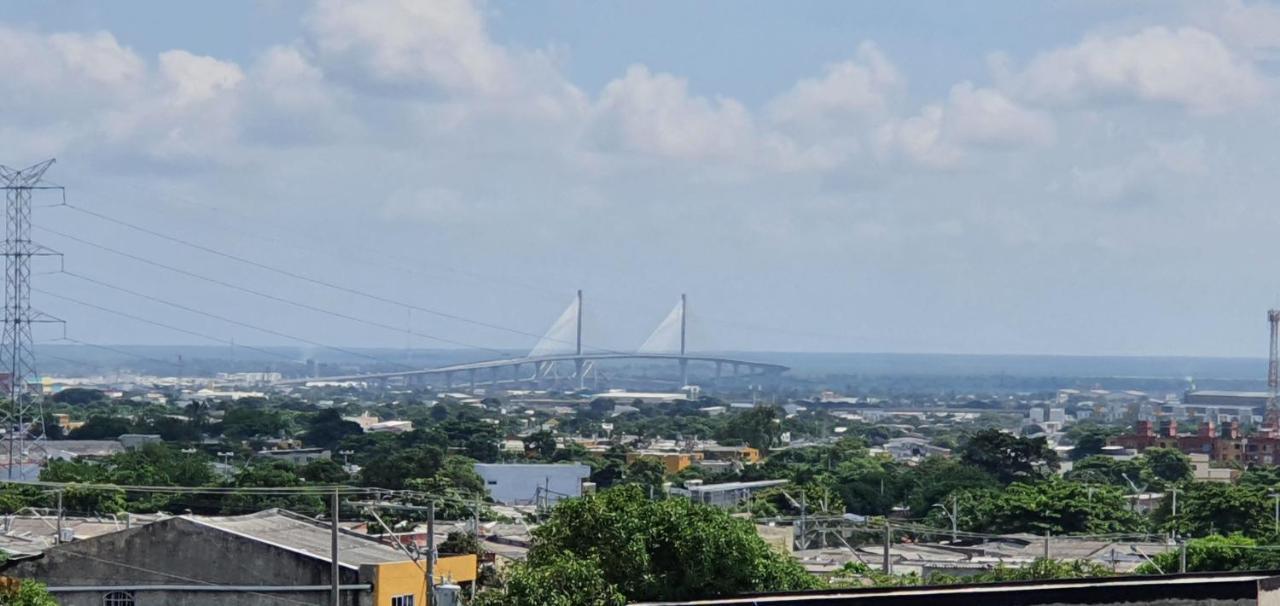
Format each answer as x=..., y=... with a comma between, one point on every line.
x=23, y=414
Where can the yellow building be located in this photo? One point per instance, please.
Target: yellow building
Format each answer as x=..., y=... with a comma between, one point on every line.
x=399, y=579
x=673, y=462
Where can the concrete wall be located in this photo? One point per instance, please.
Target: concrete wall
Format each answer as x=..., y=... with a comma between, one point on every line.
x=180, y=552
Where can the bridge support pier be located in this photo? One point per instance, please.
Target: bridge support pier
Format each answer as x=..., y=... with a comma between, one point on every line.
x=471, y=375
x=684, y=372
x=578, y=365
x=719, y=369
x=448, y=380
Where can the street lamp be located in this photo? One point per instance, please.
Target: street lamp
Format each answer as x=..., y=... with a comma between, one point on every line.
x=345, y=454
x=188, y=451
x=953, y=514
x=226, y=457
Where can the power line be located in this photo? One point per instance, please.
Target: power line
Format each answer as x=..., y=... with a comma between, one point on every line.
x=229, y=320
x=311, y=280
x=119, y=351
x=401, y=263
x=258, y=293
x=160, y=324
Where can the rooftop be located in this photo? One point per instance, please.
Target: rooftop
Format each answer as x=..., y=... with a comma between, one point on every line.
x=303, y=535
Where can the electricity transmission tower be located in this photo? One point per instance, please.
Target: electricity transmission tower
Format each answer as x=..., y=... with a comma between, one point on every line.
x=23, y=415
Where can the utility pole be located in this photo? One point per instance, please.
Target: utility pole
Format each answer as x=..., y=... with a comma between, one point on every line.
x=1174, y=511
x=887, y=565
x=58, y=540
x=17, y=352
x=475, y=517
x=804, y=505
x=333, y=552
x=1182, y=556
x=1046, y=544
x=955, y=519
x=431, y=552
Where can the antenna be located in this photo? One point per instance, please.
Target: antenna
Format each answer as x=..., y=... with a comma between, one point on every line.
x=17, y=351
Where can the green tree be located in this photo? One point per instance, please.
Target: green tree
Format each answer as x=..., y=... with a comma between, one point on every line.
x=660, y=550
x=327, y=428
x=101, y=427
x=26, y=593
x=1089, y=443
x=759, y=428
x=269, y=474
x=647, y=473
x=460, y=543
x=243, y=421
x=1008, y=457
x=936, y=477
x=78, y=396
x=393, y=469
x=483, y=448
x=540, y=444
x=1216, y=553
x=1054, y=505
x=561, y=580
x=1206, y=508
x=1167, y=465
x=324, y=471
x=1100, y=469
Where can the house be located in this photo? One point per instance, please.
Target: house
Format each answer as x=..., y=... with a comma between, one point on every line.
x=727, y=495
x=528, y=484
x=297, y=456
x=913, y=449
x=269, y=557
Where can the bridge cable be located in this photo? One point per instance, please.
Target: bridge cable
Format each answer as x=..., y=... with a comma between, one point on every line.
x=311, y=280
x=167, y=326
x=259, y=293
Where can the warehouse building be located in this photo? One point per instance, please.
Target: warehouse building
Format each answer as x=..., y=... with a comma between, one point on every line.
x=267, y=558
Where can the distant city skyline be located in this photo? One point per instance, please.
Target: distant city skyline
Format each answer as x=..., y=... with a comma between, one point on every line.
x=1088, y=178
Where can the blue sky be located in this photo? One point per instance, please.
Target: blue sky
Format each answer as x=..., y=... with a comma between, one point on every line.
x=981, y=177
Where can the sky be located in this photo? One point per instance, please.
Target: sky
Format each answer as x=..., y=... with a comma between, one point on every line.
x=1088, y=177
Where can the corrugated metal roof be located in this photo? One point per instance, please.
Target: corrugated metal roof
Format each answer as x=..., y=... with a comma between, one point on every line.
x=305, y=536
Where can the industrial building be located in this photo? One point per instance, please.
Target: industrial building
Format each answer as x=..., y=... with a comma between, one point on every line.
x=531, y=484
x=267, y=558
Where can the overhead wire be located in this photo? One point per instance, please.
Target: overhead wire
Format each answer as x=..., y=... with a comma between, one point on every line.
x=214, y=316
x=316, y=281
x=259, y=293
x=116, y=350
x=161, y=324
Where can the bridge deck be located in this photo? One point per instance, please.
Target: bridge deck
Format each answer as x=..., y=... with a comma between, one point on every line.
x=764, y=367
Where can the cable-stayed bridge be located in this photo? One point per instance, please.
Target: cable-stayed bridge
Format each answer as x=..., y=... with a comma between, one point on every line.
x=559, y=358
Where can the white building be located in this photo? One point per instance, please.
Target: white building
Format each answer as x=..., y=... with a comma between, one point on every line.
x=529, y=484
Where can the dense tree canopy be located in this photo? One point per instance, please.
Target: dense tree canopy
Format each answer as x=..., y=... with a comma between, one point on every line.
x=1008, y=457
x=647, y=550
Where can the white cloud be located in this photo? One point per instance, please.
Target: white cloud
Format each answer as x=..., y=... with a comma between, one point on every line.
x=943, y=135
x=53, y=73
x=195, y=79
x=1254, y=26
x=859, y=87
x=655, y=114
x=443, y=43
x=1160, y=167
x=1185, y=66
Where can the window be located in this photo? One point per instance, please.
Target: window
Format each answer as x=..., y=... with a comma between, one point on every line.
x=402, y=600
x=118, y=598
